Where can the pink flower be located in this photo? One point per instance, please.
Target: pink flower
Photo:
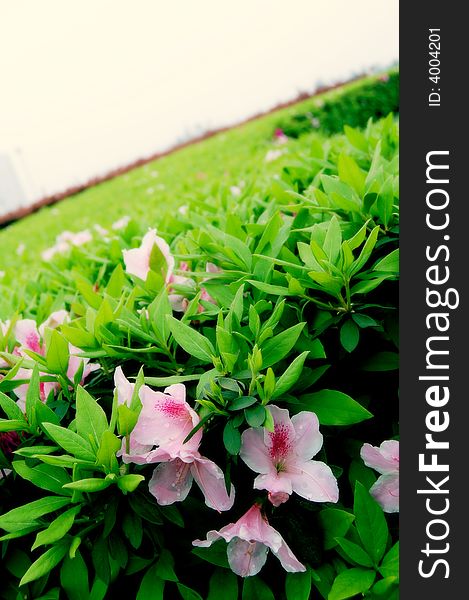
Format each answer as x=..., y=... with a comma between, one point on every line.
x=280, y=137
x=385, y=460
x=249, y=540
x=137, y=260
x=121, y=223
x=283, y=458
x=164, y=423
x=30, y=337
x=124, y=388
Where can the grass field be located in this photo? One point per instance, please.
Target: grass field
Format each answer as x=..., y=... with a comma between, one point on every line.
x=202, y=172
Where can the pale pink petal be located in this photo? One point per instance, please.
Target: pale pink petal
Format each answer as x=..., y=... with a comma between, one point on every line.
x=308, y=440
x=288, y=560
x=179, y=303
x=124, y=388
x=384, y=459
x=246, y=558
x=171, y=482
x=209, y=477
x=212, y=268
x=166, y=420
x=54, y=320
x=27, y=335
x=386, y=492
x=254, y=452
x=313, y=480
x=278, y=498
x=274, y=482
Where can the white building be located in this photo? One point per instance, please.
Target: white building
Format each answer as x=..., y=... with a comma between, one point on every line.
x=12, y=193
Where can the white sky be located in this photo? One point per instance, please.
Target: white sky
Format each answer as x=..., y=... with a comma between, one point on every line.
x=88, y=85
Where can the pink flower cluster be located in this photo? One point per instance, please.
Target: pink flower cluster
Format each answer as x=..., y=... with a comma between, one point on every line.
x=137, y=262
x=65, y=241
x=164, y=422
x=29, y=337
x=283, y=459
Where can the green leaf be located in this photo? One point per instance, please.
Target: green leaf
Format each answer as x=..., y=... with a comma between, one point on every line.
x=277, y=347
x=188, y=593
x=92, y=484
x=108, y=447
x=231, y=438
x=389, y=263
x=370, y=522
x=335, y=408
x=356, y=138
x=364, y=321
x=298, y=586
x=335, y=523
x=57, y=529
x=151, y=587
x=32, y=397
x=130, y=482
x=214, y=554
x=350, y=173
x=193, y=342
x=58, y=355
x=366, y=251
x=43, y=476
x=382, y=361
x=45, y=563
x=90, y=417
x=71, y=442
x=354, y=552
x=385, y=589
x=273, y=290
x=333, y=240
x=241, y=402
x=133, y=529
x=7, y=425
x=255, y=415
x=11, y=409
x=255, y=589
x=26, y=515
x=350, y=583
x=223, y=584
x=349, y=335
x=74, y=577
x=385, y=201
x=165, y=567
x=158, y=310
x=390, y=564
x=290, y=376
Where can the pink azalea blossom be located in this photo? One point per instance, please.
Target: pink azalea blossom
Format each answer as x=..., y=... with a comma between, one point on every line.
x=280, y=137
x=30, y=337
x=121, y=223
x=385, y=460
x=283, y=458
x=249, y=540
x=137, y=260
x=163, y=424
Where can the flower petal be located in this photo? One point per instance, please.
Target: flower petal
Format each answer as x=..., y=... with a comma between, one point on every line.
x=274, y=482
x=171, y=482
x=308, y=440
x=123, y=386
x=246, y=558
x=27, y=335
x=314, y=481
x=254, y=452
x=384, y=459
x=288, y=560
x=209, y=477
x=386, y=492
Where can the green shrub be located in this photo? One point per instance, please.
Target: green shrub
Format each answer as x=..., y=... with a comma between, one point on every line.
x=354, y=107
